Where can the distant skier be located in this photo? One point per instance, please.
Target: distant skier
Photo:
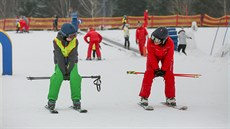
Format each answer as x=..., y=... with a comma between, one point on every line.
x=126, y=36
x=124, y=21
x=66, y=67
x=182, y=41
x=55, y=23
x=17, y=24
x=146, y=18
x=75, y=21
x=94, y=38
x=22, y=25
x=160, y=49
x=141, y=35
x=27, y=24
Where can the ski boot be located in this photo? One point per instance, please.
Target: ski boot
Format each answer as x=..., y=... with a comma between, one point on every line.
x=76, y=104
x=51, y=104
x=88, y=58
x=99, y=58
x=171, y=101
x=144, y=101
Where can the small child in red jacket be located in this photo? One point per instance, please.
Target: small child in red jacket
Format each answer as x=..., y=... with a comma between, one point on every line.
x=94, y=38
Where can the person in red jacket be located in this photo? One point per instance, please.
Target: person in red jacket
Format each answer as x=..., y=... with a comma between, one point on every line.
x=146, y=18
x=160, y=49
x=22, y=25
x=141, y=34
x=94, y=38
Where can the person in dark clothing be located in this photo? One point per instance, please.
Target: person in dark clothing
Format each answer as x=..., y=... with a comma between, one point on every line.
x=55, y=23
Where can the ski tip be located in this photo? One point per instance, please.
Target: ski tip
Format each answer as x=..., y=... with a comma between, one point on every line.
x=83, y=111
x=176, y=107
x=79, y=110
x=147, y=108
x=183, y=108
x=29, y=78
x=51, y=111
x=54, y=111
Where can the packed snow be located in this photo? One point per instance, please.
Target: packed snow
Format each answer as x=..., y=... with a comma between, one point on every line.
x=115, y=106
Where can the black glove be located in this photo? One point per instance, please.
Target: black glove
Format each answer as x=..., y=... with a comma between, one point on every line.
x=66, y=77
x=159, y=73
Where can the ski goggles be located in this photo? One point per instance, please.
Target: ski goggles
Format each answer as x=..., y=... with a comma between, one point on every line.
x=156, y=40
x=68, y=36
x=71, y=37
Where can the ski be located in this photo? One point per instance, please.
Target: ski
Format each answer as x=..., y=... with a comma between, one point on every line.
x=52, y=111
x=175, y=107
x=92, y=59
x=79, y=110
x=148, y=108
x=36, y=78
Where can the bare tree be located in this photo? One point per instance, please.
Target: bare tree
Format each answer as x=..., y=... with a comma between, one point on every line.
x=180, y=7
x=91, y=7
x=3, y=8
x=7, y=8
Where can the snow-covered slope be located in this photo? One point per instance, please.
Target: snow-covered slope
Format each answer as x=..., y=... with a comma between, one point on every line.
x=22, y=101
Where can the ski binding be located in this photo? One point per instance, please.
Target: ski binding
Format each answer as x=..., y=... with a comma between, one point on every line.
x=175, y=107
x=79, y=110
x=148, y=108
x=52, y=111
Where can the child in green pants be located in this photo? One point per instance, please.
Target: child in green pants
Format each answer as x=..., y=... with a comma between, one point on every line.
x=66, y=68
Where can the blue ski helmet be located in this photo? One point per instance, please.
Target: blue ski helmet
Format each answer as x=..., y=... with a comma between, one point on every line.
x=160, y=33
x=67, y=29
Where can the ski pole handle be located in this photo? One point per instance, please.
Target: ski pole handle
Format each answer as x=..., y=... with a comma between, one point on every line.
x=98, y=76
x=134, y=72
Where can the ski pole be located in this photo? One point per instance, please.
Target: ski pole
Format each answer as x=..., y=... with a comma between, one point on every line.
x=187, y=75
x=96, y=82
x=41, y=78
x=175, y=74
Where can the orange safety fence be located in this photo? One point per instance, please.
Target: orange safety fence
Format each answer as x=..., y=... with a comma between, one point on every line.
x=210, y=21
x=116, y=22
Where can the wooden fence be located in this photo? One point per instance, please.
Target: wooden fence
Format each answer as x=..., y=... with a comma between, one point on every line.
x=115, y=22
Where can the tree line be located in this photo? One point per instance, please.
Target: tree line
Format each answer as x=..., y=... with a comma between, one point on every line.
x=111, y=8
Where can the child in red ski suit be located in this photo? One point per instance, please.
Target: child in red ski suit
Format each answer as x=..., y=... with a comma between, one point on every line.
x=94, y=38
x=141, y=34
x=160, y=49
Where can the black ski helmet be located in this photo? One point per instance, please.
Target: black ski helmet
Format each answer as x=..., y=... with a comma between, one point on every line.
x=160, y=33
x=67, y=29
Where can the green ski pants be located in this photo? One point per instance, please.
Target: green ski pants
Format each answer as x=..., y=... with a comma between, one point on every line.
x=57, y=79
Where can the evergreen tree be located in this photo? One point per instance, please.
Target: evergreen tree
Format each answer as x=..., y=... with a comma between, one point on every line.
x=213, y=8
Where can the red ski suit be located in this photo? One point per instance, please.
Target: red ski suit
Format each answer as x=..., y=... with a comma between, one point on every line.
x=94, y=38
x=22, y=25
x=146, y=18
x=141, y=34
x=165, y=55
